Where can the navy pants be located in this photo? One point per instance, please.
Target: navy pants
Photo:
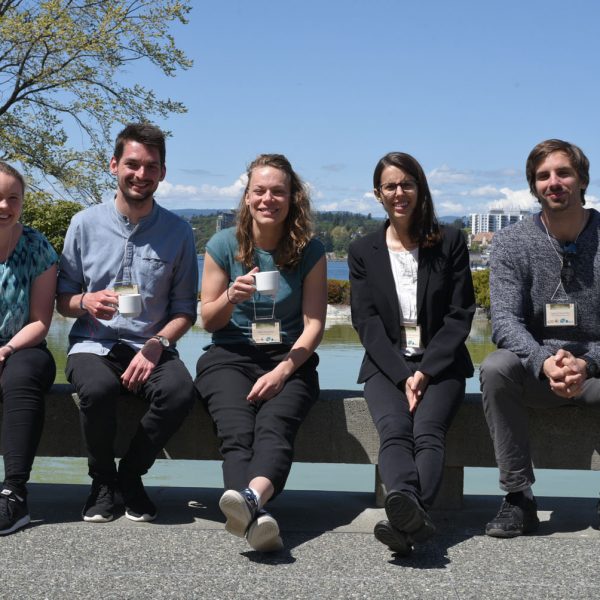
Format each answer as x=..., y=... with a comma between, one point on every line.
x=169, y=390
x=26, y=377
x=412, y=446
x=255, y=439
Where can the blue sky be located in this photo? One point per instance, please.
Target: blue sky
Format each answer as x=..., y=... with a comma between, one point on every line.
x=467, y=87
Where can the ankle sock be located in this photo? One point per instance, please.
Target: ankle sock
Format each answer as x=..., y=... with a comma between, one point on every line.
x=257, y=496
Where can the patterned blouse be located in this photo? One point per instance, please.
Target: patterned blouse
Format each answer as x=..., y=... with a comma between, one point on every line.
x=32, y=256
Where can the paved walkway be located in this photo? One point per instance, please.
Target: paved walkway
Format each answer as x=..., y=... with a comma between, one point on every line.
x=330, y=552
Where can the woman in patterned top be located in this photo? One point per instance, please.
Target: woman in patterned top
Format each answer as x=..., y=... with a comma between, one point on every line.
x=27, y=369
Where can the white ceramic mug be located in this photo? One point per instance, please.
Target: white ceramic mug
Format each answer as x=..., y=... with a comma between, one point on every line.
x=267, y=282
x=130, y=305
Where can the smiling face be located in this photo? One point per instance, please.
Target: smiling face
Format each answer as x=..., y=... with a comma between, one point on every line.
x=268, y=197
x=138, y=172
x=11, y=201
x=557, y=185
x=398, y=192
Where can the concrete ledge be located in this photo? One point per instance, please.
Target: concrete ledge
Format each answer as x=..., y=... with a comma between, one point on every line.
x=339, y=429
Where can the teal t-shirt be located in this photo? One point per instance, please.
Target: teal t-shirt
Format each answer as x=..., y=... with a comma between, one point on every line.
x=32, y=256
x=223, y=249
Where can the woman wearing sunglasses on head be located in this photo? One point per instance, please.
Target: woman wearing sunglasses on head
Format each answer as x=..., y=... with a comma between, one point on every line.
x=412, y=305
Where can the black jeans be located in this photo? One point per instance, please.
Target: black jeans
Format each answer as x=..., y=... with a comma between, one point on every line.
x=412, y=446
x=27, y=375
x=169, y=390
x=256, y=439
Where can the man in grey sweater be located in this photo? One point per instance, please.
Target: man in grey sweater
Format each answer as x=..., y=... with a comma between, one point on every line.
x=545, y=297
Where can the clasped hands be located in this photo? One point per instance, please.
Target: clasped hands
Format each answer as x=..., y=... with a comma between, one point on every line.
x=566, y=373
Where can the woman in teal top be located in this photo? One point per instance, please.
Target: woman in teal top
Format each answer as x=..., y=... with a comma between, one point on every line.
x=258, y=378
x=27, y=369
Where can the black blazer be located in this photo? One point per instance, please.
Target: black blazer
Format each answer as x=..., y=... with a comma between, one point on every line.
x=445, y=306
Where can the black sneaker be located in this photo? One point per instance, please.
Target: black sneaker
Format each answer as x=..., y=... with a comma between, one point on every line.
x=138, y=506
x=100, y=505
x=517, y=515
x=240, y=508
x=14, y=513
x=406, y=514
x=397, y=541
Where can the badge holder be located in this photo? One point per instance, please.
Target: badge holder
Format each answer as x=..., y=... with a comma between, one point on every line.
x=411, y=335
x=266, y=330
x=560, y=314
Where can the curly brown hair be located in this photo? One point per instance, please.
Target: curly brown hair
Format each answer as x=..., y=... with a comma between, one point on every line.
x=297, y=225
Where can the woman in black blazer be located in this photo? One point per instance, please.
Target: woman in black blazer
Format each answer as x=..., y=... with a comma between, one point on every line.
x=412, y=305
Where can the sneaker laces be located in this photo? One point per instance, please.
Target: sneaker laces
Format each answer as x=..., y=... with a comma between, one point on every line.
x=104, y=492
x=6, y=508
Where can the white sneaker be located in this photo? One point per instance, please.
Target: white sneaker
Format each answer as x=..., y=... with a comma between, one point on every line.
x=240, y=509
x=263, y=534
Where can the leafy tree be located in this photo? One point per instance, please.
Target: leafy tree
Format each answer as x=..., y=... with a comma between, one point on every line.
x=52, y=218
x=61, y=79
x=481, y=283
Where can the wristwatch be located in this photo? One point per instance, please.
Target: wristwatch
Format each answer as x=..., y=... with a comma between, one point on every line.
x=591, y=368
x=164, y=342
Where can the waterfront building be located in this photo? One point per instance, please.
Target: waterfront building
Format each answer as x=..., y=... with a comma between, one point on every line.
x=495, y=220
x=225, y=219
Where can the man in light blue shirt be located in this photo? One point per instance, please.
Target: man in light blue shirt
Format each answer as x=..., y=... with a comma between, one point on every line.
x=133, y=245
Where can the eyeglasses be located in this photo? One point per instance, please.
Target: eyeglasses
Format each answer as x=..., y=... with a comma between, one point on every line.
x=407, y=186
x=567, y=271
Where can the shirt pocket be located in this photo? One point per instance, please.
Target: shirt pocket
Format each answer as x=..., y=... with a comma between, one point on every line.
x=154, y=271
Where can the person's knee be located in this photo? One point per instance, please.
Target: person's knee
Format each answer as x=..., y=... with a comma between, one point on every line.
x=501, y=364
x=95, y=395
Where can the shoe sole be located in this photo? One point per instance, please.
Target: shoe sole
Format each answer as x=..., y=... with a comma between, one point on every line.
x=97, y=518
x=263, y=534
x=22, y=522
x=393, y=542
x=233, y=506
x=498, y=532
x=145, y=518
x=407, y=516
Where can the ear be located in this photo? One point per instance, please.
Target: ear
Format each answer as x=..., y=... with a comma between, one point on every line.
x=163, y=172
x=377, y=195
x=113, y=165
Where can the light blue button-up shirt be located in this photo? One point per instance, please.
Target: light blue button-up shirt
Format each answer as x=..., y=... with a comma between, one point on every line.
x=158, y=253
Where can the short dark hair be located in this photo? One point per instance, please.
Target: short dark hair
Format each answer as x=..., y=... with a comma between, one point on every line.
x=424, y=227
x=10, y=170
x=144, y=133
x=579, y=161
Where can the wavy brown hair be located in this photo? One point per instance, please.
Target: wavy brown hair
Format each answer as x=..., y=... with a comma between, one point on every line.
x=297, y=225
x=424, y=228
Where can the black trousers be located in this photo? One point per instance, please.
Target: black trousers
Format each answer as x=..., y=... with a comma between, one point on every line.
x=27, y=375
x=169, y=390
x=412, y=446
x=256, y=439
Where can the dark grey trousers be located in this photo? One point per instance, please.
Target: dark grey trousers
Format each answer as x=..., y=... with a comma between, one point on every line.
x=507, y=390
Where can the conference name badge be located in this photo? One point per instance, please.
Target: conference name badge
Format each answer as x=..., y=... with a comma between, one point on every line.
x=411, y=336
x=560, y=315
x=266, y=332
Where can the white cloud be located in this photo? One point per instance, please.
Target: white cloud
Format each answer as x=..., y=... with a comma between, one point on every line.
x=483, y=191
x=366, y=204
x=175, y=195
x=449, y=208
x=514, y=200
x=445, y=175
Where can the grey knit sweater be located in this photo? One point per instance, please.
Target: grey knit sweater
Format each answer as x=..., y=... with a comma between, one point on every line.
x=525, y=271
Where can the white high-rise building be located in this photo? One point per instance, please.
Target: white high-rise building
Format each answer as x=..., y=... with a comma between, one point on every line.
x=495, y=220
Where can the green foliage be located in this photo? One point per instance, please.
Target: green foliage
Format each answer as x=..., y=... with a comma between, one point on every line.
x=61, y=76
x=51, y=217
x=481, y=283
x=338, y=291
x=204, y=227
x=337, y=229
